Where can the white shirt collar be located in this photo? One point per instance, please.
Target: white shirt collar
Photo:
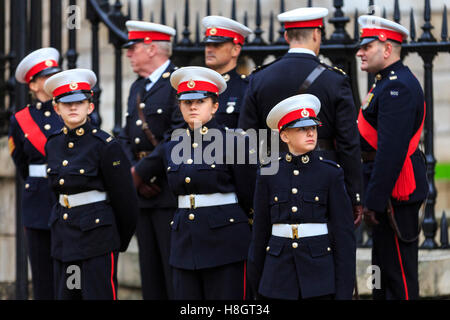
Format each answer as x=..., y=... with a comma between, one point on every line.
x=158, y=72
x=301, y=50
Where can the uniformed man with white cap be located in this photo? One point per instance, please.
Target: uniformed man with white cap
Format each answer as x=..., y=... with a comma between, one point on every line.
x=223, y=41
x=303, y=245
x=300, y=71
x=95, y=215
x=210, y=229
x=390, y=123
x=28, y=133
x=152, y=111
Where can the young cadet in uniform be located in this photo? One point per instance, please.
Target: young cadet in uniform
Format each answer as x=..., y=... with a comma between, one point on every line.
x=28, y=133
x=390, y=123
x=300, y=71
x=152, y=111
x=95, y=216
x=223, y=41
x=303, y=245
x=210, y=230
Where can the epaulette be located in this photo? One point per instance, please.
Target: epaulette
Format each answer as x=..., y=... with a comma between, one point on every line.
x=102, y=135
x=259, y=68
x=330, y=162
x=392, y=75
x=333, y=68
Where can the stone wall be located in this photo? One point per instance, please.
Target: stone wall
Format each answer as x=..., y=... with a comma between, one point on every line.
x=435, y=279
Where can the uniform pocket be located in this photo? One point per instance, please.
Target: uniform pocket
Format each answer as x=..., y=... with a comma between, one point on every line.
x=96, y=218
x=319, y=247
x=274, y=248
x=222, y=218
x=278, y=202
x=315, y=205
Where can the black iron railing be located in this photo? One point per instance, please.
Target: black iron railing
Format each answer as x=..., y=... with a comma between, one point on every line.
x=25, y=35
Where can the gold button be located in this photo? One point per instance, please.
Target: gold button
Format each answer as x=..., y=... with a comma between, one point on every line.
x=142, y=105
x=159, y=111
x=316, y=198
x=65, y=130
x=61, y=181
x=231, y=220
x=187, y=179
x=328, y=249
x=79, y=131
x=195, y=145
x=70, y=145
x=168, y=168
x=171, y=223
x=296, y=172
x=189, y=161
x=27, y=186
x=65, y=163
x=294, y=245
x=268, y=248
x=275, y=198
x=191, y=216
x=137, y=140
x=48, y=170
x=320, y=158
x=47, y=113
x=94, y=131
x=97, y=220
x=47, y=127
x=294, y=209
x=138, y=122
x=213, y=166
x=378, y=76
x=294, y=190
x=82, y=171
x=38, y=105
x=65, y=216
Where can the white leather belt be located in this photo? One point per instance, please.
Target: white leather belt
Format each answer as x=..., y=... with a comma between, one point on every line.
x=206, y=200
x=37, y=170
x=79, y=199
x=296, y=231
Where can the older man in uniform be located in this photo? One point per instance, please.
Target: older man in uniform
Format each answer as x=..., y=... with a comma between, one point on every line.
x=390, y=123
x=152, y=111
x=300, y=71
x=224, y=39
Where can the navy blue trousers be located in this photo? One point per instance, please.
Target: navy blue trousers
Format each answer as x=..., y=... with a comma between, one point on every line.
x=398, y=261
x=227, y=282
x=153, y=236
x=38, y=242
x=90, y=279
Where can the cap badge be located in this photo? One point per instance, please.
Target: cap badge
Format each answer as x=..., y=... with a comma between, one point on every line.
x=213, y=31
x=73, y=85
x=191, y=84
x=305, y=113
x=48, y=63
x=79, y=131
x=382, y=36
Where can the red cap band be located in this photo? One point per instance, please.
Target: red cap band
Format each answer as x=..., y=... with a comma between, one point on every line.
x=304, y=24
x=296, y=115
x=148, y=36
x=192, y=85
x=382, y=34
x=74, y=86
x=39, y=67
x=237, y=38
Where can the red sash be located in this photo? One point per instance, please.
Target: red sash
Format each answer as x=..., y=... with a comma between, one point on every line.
x=406, y=182
x=32, y=131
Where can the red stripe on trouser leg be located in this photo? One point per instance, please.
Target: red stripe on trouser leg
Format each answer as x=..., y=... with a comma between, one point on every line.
x=245, y=279
x=401, y=267
x=112, y=276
